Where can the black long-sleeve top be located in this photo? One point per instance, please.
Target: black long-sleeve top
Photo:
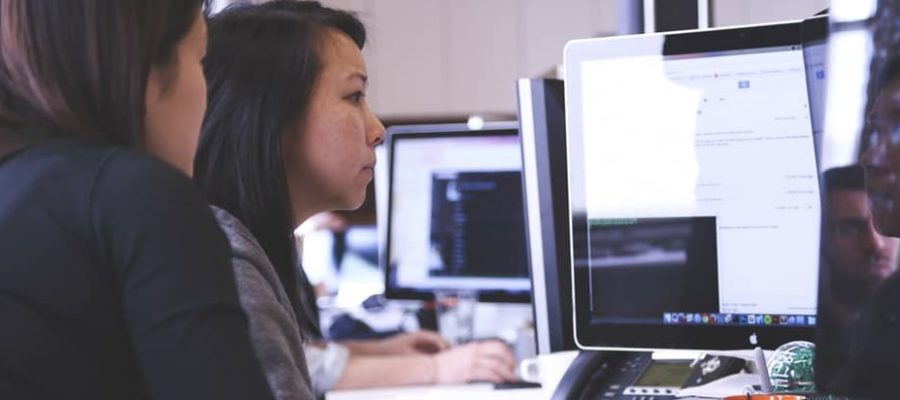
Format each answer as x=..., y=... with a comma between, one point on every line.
x=115, y=282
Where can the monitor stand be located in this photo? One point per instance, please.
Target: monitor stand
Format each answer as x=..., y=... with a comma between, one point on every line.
x=604, y=375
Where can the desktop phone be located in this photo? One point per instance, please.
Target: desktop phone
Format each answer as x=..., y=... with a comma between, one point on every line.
x=633, y=375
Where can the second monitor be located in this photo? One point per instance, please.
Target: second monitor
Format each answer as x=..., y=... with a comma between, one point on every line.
x=693, y=184
x=455, y=216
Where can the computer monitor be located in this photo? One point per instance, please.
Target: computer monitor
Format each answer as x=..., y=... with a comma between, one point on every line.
x=455, y=217
x=814, y=34
x=693, y=189
x=542, y=127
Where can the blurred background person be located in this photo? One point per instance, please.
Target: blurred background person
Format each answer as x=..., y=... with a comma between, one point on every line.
x=115, y=282
x=859, y=256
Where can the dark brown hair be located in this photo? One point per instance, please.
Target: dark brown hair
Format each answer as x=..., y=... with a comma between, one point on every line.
x=239, y=162
x=79, y=68
x=851, y=177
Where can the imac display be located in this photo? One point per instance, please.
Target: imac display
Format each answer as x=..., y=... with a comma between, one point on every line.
x=694, y=191
x=455, y=213
x=814, y=32
x=542, y=127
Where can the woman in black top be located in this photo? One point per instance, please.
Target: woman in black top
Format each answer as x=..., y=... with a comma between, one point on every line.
x=115, y=282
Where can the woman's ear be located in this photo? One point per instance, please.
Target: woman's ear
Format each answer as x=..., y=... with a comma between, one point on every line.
x=158, y=80
x=154, y=88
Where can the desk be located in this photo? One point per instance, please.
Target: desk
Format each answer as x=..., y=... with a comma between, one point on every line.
x=475, y=391
x=472, y=391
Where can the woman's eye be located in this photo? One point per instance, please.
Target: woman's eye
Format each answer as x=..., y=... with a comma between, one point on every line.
x=356, y=97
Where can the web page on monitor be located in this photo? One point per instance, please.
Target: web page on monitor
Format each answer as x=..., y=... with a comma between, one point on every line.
x=725, y=142
x=456, y=210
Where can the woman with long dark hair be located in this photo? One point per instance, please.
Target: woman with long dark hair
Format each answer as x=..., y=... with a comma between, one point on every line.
x=288, y=134
x=115, y=282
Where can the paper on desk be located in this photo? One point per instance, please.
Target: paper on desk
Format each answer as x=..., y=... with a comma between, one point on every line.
x=728, y=386
x=742, y=354
x=448, y=392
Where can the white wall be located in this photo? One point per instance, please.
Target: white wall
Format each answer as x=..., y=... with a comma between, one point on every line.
x=439, y=58
x=743, y=12
x=452, y=58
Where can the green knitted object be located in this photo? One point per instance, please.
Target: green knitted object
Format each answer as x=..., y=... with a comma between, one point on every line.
x=791, y=368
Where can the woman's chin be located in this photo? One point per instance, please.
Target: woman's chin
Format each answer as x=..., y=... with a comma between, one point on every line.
x=353, y=203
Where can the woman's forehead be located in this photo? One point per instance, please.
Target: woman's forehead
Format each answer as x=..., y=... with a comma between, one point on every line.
x=342, y=57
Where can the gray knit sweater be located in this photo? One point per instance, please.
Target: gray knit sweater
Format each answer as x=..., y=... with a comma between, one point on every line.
x=273, y=323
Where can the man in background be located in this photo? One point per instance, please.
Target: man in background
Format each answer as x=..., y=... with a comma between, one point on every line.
x=858, y=255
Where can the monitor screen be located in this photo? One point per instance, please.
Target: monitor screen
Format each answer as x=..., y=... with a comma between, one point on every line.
x=693, y=189
x=455, y=213
x=814, y=32
x=542, y=127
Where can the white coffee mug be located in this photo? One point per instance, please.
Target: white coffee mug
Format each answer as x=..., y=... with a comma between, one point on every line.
x=546, y=369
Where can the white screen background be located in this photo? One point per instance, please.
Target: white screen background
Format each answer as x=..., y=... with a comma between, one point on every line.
x=415, y=160
x=725, y=135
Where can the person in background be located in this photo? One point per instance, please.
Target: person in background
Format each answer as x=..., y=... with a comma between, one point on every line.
x=868, y=368
x=115, y=281
x=881, y=159
x=288, y=134
x=859, y=257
